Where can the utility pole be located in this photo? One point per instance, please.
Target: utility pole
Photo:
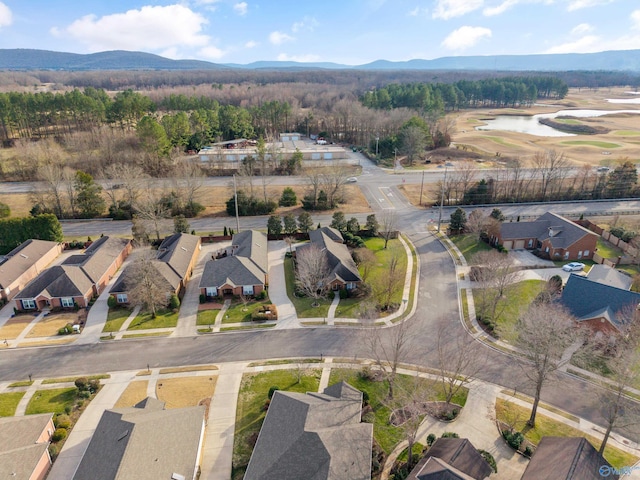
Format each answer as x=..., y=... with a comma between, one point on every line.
x=377, y=138
x=421, y=187
x=235, y=200
x=442, y=198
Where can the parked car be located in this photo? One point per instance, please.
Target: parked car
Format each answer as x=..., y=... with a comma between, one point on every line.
x=573, y=267
x=352, y=180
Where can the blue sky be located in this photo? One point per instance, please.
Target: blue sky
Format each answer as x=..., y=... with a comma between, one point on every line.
x=343, y=31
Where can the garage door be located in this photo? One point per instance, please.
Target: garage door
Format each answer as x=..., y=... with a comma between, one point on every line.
x=519, y=245
x=508, y=244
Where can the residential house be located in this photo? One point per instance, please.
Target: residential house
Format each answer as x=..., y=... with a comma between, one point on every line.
x=343, y=270
x=24, y=446
x=555, y=236
x=610, y=276
x=452, y=458
x=315, y=436
x=567, y=458
x=243, y=271
x=79, y=278
x=601, y=307
x=24, y=263
x=145, y=442
x=175, y=260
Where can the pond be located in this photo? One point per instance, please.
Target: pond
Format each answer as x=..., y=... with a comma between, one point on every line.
x=529, y=123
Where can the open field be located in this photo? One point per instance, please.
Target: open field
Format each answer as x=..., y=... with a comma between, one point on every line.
x=185, y=391
x=623, y=130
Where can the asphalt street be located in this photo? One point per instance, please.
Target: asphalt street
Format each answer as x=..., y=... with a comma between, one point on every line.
x=437, y=308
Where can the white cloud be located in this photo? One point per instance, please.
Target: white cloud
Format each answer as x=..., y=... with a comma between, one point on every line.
x=150, y=28
x=465, y=37
x=251, y=44
x=278, y=38
x=6, y=17
x=499, y=9
x=446, y=9
x=578, y=4
x=581, y=29
x=418, y=12
x=635, y=18
x=241, y=8
x=211, y=52
x=283, y=57
x=307, y=23
x=588, y=43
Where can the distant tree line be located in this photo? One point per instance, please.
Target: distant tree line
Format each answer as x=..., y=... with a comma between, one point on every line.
x=492, y=92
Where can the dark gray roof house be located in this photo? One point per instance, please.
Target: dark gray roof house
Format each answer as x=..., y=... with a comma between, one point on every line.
x=58, y=281
x=610, y=276
x=145, y=442
x=343, y=268
x=588, y=300
x=313, y=436
x=566, y=458
x=247, y=263
x=451, y=459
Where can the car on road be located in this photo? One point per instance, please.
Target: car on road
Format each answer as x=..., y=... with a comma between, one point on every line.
x=603, y=169
x=573, y=267
x=352, y=180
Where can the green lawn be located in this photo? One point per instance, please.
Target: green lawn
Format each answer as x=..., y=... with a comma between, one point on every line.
x=164, y=319
x=384, y=433
x=384, y=256
x=303, y=305
x=607, y=250
x=592, y=143
x=115, y=318
x=469, y=245
x=207, y=317
x=546, y=426
x=239, y=312
x=250, y=411
x=9, y=402
x=627, y=133
x=518, y=298
x=51, y=401
x=348, y=308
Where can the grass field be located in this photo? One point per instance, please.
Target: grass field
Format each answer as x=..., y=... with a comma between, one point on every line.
x=303, y=305
x=627, y=133
x=607, y=250
x=501, y=141
x=207, y=317
x=9, y=402
x=48, y=326
x=164, y=319
x=250, y=412
x=14, y=326
x=185, y=391
x=469, y=245
x=135, y=392
x=546, y=426
x=384, y=256
x=591, y=143
x=51, y=401
x=348, y=307
x=115, y=318
x=238, y=312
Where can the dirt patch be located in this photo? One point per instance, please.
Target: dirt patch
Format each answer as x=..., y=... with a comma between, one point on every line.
x=209, y=306
x=135, y=392
x=186, y=391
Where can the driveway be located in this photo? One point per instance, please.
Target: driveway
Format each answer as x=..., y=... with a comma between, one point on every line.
x=524, y=258
x=287, y=317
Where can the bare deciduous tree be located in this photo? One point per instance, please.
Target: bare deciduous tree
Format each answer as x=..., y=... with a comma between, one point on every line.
x=494, y=273
x=551, y=167
x=312, y=271
x=366, y=261
x=52, y=175
x=151, y=207
x=389, y=285
x=147, y=287
x=388, y=224
x=544, y=332
x=188, y=182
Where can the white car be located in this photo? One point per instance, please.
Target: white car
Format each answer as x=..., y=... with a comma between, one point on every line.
x=573, y=267
x=352, y=180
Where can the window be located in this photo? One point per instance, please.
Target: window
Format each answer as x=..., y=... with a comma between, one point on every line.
x=566, y=255
x=530, y=243
x=580, y=254
x=66, y=302
x=585, y=253
x=351, y=286
x=122, y=298
x=211, y=291
x=247, y=289
x=29, y=304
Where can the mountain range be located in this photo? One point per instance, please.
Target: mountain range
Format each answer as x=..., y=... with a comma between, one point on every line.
x=31, y=59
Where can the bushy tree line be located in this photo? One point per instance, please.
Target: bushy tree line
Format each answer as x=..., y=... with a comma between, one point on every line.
x=14, y=231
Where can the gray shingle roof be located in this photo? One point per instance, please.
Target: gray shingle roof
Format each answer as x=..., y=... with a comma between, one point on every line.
x=586, y=299
x=58, y=281
x=177, y=251
x=458, y=453
x=19, y=454
x=563, y=458
x=99, y=256
x=341, y=263
x=22, y=258
x=144, y=442
x=565, y=232
x=316, y=436
x=610, y=276
x=247, y=265
x=167, y=278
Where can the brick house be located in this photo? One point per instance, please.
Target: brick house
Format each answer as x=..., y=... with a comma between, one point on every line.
x=24, y=443
x=552, y=234
x=175, y=260
x=243, y=271
x=24, y=263
x=78, y=279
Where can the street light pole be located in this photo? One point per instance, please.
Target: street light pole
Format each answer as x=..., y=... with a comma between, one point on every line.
x=235, y=200
x=377, y=138
x=421, y=187
x=442, y=198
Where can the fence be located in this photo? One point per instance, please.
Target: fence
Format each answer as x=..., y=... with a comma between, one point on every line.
x=630, y=252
